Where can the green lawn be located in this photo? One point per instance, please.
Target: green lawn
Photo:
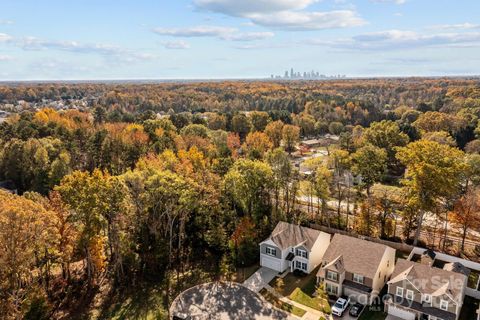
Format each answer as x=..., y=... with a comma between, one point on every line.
x=317, y=303
x=301, y=289
x=291, y=282
x=282, y=305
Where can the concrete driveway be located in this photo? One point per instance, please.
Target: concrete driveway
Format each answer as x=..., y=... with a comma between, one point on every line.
x=259, y=279
x=225, y=301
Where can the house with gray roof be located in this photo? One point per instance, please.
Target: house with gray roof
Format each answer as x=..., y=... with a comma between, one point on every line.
x=356, y=268
x=292, y=247
x=420, y=291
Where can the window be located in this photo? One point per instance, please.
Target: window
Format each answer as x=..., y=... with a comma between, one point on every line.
x=379, y=275
x=331, y=289
x=332, y=275
x=388, y=263
x=399, y=292
x=409, y=295
x=301, y=265
x=301, y=253
x=271, y=251
x=427, y=298
x=444, y=304
x=358, y=278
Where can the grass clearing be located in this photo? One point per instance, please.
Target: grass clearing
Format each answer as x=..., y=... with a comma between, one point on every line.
x=282, y=305
x=318, y=303
x=292, y=281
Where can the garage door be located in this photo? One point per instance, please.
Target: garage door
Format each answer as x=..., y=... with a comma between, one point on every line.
x=271, y=263
x=401, y=313
x=356, y=296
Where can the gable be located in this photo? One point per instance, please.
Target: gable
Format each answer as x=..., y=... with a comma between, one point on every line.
x=269, y=242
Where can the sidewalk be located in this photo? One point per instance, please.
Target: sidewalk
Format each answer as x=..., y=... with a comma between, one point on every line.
x=311, y=313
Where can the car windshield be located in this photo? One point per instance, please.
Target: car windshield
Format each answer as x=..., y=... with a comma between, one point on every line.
x=339, y=304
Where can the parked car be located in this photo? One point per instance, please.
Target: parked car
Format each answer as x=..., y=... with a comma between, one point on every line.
x=340, y=306
x=181, y=316
x=356, y=309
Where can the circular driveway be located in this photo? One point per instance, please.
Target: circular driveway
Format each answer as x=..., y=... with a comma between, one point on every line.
x=225, y=301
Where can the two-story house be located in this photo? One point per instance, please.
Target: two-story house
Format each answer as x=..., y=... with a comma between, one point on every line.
x=419, y=291
x=356, y=268
x=291, y=247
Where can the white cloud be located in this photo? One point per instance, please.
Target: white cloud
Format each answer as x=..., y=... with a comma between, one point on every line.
x=223, y=33
x=4, y=37
x=257, y=46
x=400, y=39
x=293, y=20
x=5, y=58
x=390, y=1
x=176, y=45
x=242, y=8
x=283, y=14
x=110, y=52
x=5, y=22
x=248, y=36
x=198, y=31
x=459, y=26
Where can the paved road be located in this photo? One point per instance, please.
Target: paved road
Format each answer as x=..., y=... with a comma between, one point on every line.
x=429, y=221
x=260, y=279
x=225, y=301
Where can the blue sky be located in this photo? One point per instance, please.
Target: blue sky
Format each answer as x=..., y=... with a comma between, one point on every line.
x=175, y=39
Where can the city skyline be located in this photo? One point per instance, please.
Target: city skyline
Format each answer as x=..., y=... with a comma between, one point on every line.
x=215, y=39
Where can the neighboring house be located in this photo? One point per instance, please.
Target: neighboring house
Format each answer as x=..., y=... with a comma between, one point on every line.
x=419, y=291
x=356, y=268
x=291, y=247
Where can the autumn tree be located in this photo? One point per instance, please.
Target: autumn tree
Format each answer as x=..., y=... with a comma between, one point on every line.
x=217, y=121
x=282, y=170
x=256, y=144
x=259, y=120
x=26, y=236
x=434, y=172
x=370, y=164
x=341, y=163
x=249, y=183
x=386, y=135
x=97, y=201
x=290, y=137
x=466, y=213
x=274, y=131
x=241, y=124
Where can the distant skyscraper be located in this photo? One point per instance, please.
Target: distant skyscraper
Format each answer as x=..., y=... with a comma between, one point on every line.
x=286, y=74
x=291, y=73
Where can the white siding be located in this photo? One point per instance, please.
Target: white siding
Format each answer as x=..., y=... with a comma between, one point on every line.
x=318, y=250
x=385, y=270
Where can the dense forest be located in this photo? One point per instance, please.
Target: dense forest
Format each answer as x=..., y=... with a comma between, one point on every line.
x=165, y=185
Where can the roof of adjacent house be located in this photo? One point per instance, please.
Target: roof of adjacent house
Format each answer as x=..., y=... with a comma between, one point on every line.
x=458, y=268
x=356, y=255
x=286, y=235
x=434, y=281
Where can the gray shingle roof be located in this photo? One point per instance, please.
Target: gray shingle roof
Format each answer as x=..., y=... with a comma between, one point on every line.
x=287, y=235
x=359, y=256
x=434, y=281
